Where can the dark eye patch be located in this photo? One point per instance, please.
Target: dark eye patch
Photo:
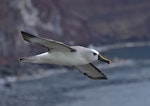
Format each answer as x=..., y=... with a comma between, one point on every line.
x=94, y=54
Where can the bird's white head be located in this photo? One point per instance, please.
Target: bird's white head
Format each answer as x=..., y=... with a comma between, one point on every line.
x=97, y=56
x=95, y=52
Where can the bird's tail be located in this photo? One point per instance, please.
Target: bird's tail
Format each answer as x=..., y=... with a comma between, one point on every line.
x=41, y=58
x=32, y=59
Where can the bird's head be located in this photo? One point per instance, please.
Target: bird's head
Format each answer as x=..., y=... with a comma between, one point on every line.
x=97, y=56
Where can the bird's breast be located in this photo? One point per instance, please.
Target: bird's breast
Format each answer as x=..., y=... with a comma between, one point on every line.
x=66, y=58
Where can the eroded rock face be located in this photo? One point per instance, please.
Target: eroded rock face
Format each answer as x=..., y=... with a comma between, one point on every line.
x=112, y=21
x=46, y=18
x=118, y=20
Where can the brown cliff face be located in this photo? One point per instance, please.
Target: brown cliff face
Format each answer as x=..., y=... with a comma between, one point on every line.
x=120, y=20
x=46, y=18
x=79, y=22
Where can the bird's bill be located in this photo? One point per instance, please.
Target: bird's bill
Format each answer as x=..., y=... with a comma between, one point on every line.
x=103, y=59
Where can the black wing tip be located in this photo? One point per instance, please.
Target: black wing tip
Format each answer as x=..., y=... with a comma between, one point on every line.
x=101, y=78
x=104, y=77
x=26, y=36
x=22, y=32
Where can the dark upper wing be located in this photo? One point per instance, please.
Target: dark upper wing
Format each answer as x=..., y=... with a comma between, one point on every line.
x=48, y=43
x=91, y=71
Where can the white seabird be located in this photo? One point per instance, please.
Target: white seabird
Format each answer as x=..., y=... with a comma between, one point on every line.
x=62, y=54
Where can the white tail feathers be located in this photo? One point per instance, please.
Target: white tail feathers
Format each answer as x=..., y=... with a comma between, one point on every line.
x=41, y=58
x=32, y=59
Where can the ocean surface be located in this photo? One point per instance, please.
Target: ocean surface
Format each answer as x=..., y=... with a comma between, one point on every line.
x=128, y=84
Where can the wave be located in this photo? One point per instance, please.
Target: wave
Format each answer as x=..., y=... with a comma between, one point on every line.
x=41, y=74
x=121, y=45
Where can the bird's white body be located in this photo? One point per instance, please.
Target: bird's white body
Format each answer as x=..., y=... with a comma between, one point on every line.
x=67, y=59
x=64, y=58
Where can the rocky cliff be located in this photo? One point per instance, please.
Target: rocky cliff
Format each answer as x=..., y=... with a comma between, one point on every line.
x=79, y=22
x=121, y=20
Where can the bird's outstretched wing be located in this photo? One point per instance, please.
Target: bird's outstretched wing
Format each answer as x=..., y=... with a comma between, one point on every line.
x=91, y=71
x=48, y=43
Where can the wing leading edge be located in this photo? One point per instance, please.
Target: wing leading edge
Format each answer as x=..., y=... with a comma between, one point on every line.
x=91, y=71
x=48, y=43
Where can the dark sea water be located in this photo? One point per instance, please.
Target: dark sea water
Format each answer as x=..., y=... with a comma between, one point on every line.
x=128, y=84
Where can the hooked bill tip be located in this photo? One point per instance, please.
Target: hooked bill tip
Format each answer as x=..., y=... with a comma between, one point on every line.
x=109, y=62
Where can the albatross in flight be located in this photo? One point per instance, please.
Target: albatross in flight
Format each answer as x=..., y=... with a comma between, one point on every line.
x=62, y=54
